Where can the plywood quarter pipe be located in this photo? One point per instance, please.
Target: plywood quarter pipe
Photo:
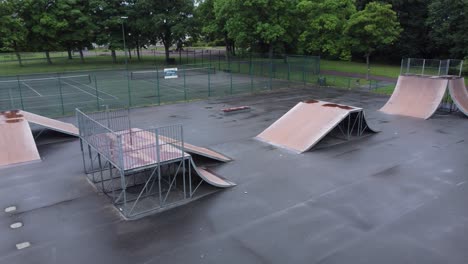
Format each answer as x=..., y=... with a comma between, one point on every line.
x=16, y=140
x=212, y=178
x=459, y=93
x=416, y=96
x=50, y=123
x=306, y=124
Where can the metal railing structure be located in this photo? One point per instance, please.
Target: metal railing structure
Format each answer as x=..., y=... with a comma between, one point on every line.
x=141, y=171
x=428, y=67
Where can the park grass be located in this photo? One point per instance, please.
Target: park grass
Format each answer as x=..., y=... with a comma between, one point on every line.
x=358, y=67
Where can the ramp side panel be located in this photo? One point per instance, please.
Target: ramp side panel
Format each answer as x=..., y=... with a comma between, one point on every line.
x=50, y=123
x=17, y=143
x=459, y=93
x=212, y=178
x=303, y=126
x=416, y=96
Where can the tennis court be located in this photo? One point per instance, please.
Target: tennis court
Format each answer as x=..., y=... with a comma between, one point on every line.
x=58, y=94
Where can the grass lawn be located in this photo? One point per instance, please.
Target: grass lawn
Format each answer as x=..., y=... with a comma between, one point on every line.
x=359, y=67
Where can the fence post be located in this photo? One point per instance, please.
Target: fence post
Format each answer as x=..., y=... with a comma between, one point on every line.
x=202, y=55
x=180, y=56
x=209, y=82
x=219, y=59
x=440, y=66
x=448, y=67
x=61, y=95
x=424, y=65
x=194, y=56
x=251, y=75
x=97, y=93
x=185, y=85
x=129, y=89
x=461, y=67
x=401, y=66
x=408, y=65
x=20, y=92
x=349, y=83
x=230, y=74
x=158, y=92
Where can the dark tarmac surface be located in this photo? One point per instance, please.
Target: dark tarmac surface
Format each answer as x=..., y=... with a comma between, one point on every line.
x=398, y=196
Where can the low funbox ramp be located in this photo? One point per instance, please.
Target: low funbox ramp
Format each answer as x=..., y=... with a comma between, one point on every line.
x=312, y=121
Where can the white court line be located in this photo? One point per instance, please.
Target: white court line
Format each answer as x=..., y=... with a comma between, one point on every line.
x=94, y=89
x=29, y=86
x=35, y=97
x=78, y=88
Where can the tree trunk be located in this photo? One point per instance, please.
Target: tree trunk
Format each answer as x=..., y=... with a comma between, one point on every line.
x=166, y=50
x=368, y=65
x=81, y=55
x=18, y=55
x=129, y=54
x=49, y=61
x=270, y=51
x=69, y=53
x=138, y=51
x=114, y=57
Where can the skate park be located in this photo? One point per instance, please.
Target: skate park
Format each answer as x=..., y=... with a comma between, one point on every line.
x=375, y=196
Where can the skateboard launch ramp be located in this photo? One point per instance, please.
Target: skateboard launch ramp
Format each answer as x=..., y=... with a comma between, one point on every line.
x=211, y=177
x=416, y=96
x=459, y=94
x=201, y=151
x=307, y=123
x=16, y=140
x=52, y=124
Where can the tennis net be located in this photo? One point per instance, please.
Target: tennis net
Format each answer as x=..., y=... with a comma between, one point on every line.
x=76, y=79
x=154, y=74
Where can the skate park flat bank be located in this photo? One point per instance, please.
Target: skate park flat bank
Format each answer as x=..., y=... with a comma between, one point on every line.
x=397, y=196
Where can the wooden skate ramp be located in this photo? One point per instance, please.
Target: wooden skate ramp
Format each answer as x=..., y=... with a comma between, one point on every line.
x=16, y=140
x=308, y=122
x=416, y=96
x=53, y=124
x=459, y=94
x=201, y=151
x=211, y=177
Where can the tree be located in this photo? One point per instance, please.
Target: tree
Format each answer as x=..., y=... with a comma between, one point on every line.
x=107, y=16
x=12, y=31
x=258, y=22
x=448, y=22
x=375, y=26
x=414, y=39
x=44, y=23
x=79, y=31
x=171, y=21
x=324, y=22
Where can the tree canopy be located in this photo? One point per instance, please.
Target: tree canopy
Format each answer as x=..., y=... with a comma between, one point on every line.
x=344, y=29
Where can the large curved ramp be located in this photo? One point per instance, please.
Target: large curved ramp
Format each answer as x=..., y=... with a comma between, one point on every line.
x=308, y=122
x=416, y=96
x=459, y=94
x=211, y=178
x=16, y=140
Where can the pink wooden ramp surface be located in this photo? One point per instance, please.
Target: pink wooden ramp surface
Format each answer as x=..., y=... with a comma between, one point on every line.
x=53, y=124
x=208, y=153
x=459, y=94
x=305, y=125
x=212, y=178
x=16, y=140
x=416, y=96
